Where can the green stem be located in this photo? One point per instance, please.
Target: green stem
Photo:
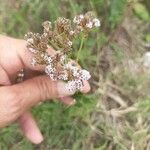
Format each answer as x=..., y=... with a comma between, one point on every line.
x=54, y=45
x=80, y=48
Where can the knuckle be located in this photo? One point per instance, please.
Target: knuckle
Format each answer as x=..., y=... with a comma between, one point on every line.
x=46, y=88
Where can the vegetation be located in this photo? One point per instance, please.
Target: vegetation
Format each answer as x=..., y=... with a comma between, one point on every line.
x=115, y=114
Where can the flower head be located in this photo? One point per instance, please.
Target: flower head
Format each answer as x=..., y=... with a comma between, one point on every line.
x=96, y=22
x=60, y=36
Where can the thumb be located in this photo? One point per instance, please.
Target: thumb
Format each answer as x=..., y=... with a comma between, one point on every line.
x=32, y=91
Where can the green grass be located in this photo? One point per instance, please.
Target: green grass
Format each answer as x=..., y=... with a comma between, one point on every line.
x=88, y=125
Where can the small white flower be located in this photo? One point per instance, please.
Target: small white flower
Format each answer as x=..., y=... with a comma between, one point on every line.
x=79, y=84
x=45, y=34
x=71, y=32
x=32, y=50
x=89, y=25
x=33, y=62
x=52, y=76
x=69, y=43
x=74, y=85
x=71, y=86
x=84, y=75
x=63, y=76
x=30, y=40
x=42, y=55
x=78, y=19
x=81, y=17
x=80, y=28
x=75, y=71
x=49, y=70
x=96, y=22
x=47, y=58
x=62, y=58
x=68, y=66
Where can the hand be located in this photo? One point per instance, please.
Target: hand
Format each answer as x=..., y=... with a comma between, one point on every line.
x=17, y=99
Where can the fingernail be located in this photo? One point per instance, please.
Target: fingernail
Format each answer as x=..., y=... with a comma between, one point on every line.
x=86, y=87
x=73, y=102
x=40, y=103
x=35, y=136
x=38, y=140
x=63, y=90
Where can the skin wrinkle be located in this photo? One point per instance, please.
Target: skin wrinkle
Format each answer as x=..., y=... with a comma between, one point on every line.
x=52, y=89
x=46, y=91
x=39, y=85
x=11, y=103
x=5, y=79
x=24, y=105
x=42, y=86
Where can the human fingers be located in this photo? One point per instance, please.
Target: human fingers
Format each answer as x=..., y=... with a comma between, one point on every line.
x=30, y=128
x=25, y=58
x=18, y=98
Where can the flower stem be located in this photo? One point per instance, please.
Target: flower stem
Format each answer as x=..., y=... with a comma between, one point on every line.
x=80, y=48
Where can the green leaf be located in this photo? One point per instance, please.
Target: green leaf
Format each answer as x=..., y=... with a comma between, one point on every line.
x=147, y=37
x=141, y=11
x=116, y=11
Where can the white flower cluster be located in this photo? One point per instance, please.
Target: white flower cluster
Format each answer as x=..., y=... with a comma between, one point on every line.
x=74, y=85
x=51, y=71
x=47, y=58
x=96, y=22
x=63, y=76
x=69, y=43
x=78, y=19
x=32, y=50
x=93, y=23
x=72, y=32
x=89, y=23
x=79, y=75
x=33, y=62
x=30, y=40
x=60, y=36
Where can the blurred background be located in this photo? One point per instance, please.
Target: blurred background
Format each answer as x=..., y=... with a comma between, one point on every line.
x=115, y=115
